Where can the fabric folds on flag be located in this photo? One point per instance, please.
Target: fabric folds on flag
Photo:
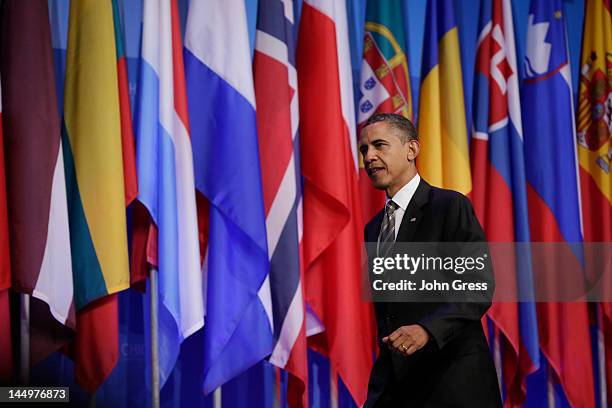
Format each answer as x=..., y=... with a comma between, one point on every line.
x=333, y=228
x=499, y=191
x=385, y=81
x=93, y=153
x=444, y=159
x=552, y=191
x=594, y=135
x=275, y=81
x=166, y=180
x=35, y=183
x=6, y=354
x=5, y=258
x=595, y=146
x=140, y=221
x=127, y=130
x=237, y=333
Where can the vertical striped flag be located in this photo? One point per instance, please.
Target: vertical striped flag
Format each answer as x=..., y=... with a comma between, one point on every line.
x=595, y=147
x=275, y=81
x=95, y=188
x=499, y=191
x=333, y=226
x=127, y=131
x=139, y=224
x=238, y=329
x=37, y=206
x=444, y=159
x=166, y=180
x=552, y=191
x=593, y=122
x=385, y=81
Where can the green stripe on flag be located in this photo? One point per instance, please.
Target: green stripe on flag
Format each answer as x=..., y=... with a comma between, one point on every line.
x=87, y=274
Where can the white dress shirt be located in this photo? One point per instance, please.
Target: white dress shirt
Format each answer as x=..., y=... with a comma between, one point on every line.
x=402, y=199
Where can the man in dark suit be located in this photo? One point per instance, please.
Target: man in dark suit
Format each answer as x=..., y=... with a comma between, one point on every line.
x=432, y=354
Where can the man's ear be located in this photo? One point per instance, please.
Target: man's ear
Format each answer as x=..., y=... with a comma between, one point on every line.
x=413, y=149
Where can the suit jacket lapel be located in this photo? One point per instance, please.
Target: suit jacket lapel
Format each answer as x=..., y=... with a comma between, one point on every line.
x=407, y=227
x=412, y=216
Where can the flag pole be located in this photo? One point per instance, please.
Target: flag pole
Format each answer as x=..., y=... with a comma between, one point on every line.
x=217, y=398
x=24, y=340
x=333, y=387
x=154, y=341
x=601, y=353
x=550, y=388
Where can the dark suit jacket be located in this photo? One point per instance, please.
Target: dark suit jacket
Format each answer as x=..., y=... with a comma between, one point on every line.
x=454, y=369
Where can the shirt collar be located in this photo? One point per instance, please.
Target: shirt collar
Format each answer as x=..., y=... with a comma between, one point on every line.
x=404, y=195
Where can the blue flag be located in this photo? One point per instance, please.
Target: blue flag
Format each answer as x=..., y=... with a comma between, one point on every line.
x=552, y=191
x=238, y=320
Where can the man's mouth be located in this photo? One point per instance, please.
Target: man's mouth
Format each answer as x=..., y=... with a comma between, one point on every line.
x=373, y=171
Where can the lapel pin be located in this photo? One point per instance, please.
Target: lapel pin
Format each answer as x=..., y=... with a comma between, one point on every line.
x=412, y=219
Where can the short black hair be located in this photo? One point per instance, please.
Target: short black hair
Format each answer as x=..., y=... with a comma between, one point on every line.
x=407, y=131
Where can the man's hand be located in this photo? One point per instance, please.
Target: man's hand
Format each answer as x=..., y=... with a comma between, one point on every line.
x=407, y=339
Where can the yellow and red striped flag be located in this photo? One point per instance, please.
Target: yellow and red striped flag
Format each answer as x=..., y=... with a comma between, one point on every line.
x=594, y=138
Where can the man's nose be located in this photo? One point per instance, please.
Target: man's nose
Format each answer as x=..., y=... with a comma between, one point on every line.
x=369, y=156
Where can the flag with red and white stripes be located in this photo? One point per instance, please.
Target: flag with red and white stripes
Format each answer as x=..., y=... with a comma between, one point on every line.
x=35, y=183
x=276, y=96
x=333, y=228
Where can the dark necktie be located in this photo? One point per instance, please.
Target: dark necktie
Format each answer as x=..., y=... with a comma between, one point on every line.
x=386, y=238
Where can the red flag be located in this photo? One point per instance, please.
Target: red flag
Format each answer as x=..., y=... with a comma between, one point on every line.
x=6, y=359
x=333, y=228
x=95, y=349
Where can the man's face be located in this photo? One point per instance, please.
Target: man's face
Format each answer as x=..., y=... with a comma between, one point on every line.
x=388, y=162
